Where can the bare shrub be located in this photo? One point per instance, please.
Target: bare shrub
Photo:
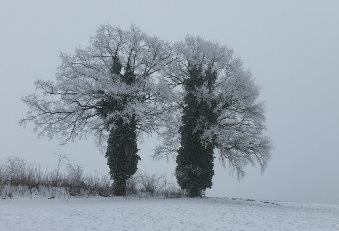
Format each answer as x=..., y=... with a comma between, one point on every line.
x=2, y=173
x=74, y=174
x=74, y=179
x=34, y=176
x=15, y=171
x=56, y=175
x=149, y=183
x=20, y=178
x=173, y=191
x=132, y=186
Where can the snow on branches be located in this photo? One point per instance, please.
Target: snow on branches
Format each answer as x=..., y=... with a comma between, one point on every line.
x=238, y=134
x=70, y=107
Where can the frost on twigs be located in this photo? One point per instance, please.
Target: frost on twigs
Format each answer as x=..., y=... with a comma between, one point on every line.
x=238, y=133
x=71, y=107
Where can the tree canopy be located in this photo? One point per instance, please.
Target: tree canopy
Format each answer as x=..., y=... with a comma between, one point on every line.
x=71, y=107
x=238, y=131
x=195, y=94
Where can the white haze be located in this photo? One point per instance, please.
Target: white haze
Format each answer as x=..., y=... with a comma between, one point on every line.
x=291, y=48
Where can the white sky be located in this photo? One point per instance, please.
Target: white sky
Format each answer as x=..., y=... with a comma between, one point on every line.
x=291, y=47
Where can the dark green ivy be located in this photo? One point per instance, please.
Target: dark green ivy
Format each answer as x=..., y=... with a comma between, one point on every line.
x=121, y=153
x=194, y=169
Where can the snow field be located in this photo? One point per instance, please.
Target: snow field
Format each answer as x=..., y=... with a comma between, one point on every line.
x=122, y=214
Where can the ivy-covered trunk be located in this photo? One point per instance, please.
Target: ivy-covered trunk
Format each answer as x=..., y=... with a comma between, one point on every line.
x=121, y=154
x=194, y=169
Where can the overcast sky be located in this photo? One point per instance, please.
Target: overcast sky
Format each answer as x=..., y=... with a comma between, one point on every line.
x=291, y=47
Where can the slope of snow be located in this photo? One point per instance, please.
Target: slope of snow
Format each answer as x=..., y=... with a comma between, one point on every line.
x=164, y=214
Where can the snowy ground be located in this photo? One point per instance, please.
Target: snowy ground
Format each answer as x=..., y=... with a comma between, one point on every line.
x=163, y=214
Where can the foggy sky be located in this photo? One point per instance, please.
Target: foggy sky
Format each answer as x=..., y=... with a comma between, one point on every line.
x=291, y=47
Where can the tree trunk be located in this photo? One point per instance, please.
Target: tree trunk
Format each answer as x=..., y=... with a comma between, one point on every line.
x=119, y=188
x=194, y=192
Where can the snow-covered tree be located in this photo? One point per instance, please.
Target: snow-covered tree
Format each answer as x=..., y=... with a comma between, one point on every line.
x=110, y=90
x=216, y=100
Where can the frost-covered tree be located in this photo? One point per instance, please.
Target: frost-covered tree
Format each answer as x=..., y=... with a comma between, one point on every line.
x=121, y=153
x=216, y=100
x=109, y=90
x=194, y=169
